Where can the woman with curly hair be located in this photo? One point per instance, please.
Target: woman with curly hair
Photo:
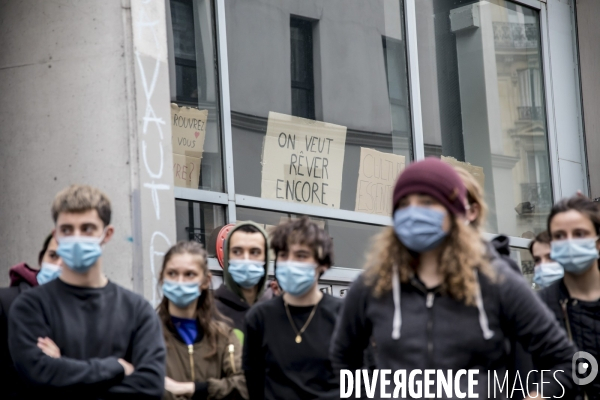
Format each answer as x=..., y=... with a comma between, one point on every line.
x=432, y=300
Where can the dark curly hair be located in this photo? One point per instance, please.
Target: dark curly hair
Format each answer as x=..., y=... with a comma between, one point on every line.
x=305, y=232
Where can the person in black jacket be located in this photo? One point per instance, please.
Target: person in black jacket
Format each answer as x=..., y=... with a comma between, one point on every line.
x=286, y=349
x=245, y=265
x=518, y=360
x=432, y=300
x=82, y=336
x=22, y=277
x=546, y=270
x=574, y=227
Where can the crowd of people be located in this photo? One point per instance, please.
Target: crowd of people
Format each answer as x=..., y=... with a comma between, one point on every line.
x=434, y=294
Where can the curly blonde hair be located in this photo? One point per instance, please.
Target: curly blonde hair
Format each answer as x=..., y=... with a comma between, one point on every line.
x=475, y=195
x=463, y=252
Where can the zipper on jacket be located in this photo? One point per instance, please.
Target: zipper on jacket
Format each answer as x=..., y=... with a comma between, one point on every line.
x=191, y=353
x=563, y=305
x=231, y=358
x=429, y=305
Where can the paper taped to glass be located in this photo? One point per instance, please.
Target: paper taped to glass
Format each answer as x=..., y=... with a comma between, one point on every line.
x=474, y=170
x=303, y=161
x=377, y=177
x=188, y=128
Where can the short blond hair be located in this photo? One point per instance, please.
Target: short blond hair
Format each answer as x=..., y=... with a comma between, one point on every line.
x=81, y=198
x=475, y=195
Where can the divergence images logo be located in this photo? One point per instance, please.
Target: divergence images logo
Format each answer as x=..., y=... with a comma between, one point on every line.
x=582, y=368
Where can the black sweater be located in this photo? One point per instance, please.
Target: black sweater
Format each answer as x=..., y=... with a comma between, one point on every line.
x=10, y=382
x=277, y=367
x=92, y=328
x=232, y=306
x=438, y=332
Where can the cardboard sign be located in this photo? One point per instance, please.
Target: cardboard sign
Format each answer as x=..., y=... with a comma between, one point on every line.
x=186, y=171
x=474, y=170
x=377, y=177
x=188, y=127
x=303, y=161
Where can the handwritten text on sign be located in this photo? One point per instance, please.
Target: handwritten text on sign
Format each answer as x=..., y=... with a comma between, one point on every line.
x=377, y=177
x=188, y=126
x=303, y=161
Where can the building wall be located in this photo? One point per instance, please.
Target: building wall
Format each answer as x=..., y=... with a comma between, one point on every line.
x=566, y=100
x=588, y=14
x=80, y=103
x=85, y=99
x=63, y=120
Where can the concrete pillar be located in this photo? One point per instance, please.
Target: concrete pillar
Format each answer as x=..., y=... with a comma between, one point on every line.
x=86, y=100
x=480, y=102
x=588, y=32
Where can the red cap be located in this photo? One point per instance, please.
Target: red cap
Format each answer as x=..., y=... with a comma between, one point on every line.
x=436, y=178
x=221, y=236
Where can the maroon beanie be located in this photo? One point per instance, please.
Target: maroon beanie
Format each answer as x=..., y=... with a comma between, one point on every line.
x=436, y=178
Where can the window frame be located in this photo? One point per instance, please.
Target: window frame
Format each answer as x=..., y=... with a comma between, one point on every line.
x=343, y=274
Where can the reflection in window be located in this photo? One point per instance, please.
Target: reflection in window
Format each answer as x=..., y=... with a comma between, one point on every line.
x=301, y=51
x=530, y=94
x=182, y=16
x=194, y=79
x=525, y=262
x=198, y=222
x=483, y=103
x=340, y=73
x=350, y=239
x=394, y=55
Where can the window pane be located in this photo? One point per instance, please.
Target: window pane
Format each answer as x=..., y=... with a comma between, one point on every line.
x=483, y=103
x=194, y=84
x=197, y=222
x=350, y=240
x=336, y=62
x=525, y=262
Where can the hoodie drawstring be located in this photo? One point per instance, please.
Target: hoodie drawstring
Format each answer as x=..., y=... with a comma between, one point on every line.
x=483, y=320
x=397, y=322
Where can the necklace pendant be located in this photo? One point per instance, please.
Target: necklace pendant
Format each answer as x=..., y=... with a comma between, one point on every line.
x=298, y=339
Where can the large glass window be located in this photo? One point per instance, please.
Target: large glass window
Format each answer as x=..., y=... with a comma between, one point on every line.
x=301, y=55
x=319, y=101
x=194, y=89
x=199, y=222
x=350, y=240
x=483, y=103
x=525, y=261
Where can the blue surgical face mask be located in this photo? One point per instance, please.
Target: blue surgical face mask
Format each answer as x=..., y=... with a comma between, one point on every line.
x=181, y=293
x=48, y=272
x=545, y=274
x=575, y=255
x=80, y=253
x=246, y=273
x=295, y=278
x=420, y=229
